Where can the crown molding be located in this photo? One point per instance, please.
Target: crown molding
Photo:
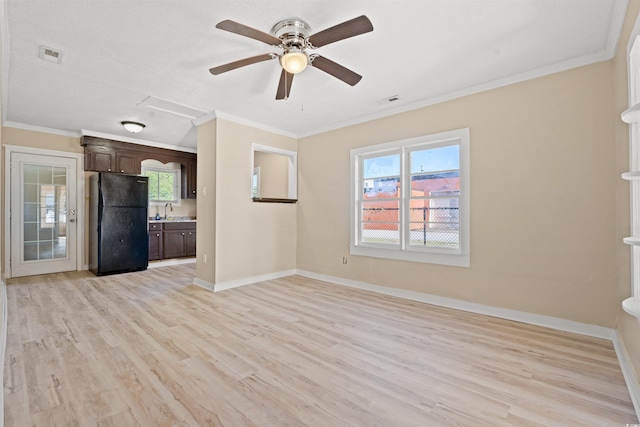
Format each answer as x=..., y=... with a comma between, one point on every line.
x=43, y=129
x=615, y=26
x=204, y=119
x=581, y=61
x=261, y=126
x=86, y=132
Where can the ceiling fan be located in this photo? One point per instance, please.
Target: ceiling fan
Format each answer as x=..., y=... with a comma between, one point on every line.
x=292, y=37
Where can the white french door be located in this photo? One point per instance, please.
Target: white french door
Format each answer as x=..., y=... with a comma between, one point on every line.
x=43, y=214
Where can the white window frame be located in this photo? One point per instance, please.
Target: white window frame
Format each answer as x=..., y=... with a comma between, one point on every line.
x=460, y=257
x=292, y=164
x=176, y=185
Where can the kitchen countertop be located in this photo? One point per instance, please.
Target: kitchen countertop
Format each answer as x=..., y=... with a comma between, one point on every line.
x=173, y=219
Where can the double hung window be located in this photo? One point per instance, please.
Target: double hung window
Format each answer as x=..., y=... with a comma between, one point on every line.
x=164, y=185
x=410, y=199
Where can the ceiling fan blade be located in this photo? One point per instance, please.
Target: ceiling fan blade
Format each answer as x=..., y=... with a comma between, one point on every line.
x=353, y=27
x=284, y=87
x=241, y=63
x=252, y=33
x=336, y=70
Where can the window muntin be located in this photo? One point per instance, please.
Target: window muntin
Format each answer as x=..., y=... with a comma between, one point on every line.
x=411, y=199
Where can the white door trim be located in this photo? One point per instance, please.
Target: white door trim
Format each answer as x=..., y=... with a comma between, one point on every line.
x=80, y=194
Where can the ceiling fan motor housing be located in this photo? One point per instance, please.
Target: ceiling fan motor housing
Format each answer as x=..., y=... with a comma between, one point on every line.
x=293, y=33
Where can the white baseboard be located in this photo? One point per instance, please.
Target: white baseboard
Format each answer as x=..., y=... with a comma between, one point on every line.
x=203, y=284
x=627, y=372
x=503, y=313
x=175, y=261
x=230, y=284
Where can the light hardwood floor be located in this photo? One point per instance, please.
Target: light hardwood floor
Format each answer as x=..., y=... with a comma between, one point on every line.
x=149, y=349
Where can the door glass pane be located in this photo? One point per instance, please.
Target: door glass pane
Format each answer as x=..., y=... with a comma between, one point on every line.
x=30, y=174
x=59, y=176
x=30, y=251
x=31, y=193
x=44, y=212
x=30, y=232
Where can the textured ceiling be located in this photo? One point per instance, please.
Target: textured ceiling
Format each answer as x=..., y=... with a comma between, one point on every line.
x=116, y=54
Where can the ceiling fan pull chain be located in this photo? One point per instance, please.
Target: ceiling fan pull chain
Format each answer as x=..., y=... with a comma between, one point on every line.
x=286, y=88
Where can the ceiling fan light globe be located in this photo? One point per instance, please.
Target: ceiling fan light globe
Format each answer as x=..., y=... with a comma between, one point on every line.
x=294, y=62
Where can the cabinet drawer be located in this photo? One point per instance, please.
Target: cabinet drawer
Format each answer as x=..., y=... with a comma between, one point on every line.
x=156, y=226
x=179, y=225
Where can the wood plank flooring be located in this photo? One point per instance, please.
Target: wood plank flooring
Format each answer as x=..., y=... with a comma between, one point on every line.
x=150, y=349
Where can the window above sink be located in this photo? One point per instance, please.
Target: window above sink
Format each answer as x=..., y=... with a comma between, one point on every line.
x=164, y=182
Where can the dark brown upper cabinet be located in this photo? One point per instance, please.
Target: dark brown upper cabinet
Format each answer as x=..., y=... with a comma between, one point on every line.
x=108, y=155
x=99, y=159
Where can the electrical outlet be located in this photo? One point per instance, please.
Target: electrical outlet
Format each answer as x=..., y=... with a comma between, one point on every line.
x=204, y=258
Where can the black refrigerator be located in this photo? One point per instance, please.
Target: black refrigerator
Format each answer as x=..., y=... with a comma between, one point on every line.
x=118, y=240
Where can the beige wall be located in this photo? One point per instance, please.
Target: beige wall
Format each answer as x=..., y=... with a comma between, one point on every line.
x=252, y=238
x=543, y=236
x=47, y=141
x=628, y=326
x=206, y=202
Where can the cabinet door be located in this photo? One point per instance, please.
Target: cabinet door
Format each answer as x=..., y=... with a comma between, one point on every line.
x=191, y=243
x=127, y=162
x=193, y=172
x=155, y=245
x=99, y=159
x=174, y=243
x=189, y=173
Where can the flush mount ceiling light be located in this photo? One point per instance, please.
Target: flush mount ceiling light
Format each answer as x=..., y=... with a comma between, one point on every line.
x=133, y=127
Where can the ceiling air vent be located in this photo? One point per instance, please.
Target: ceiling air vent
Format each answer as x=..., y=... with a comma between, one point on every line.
x=388, y=100
x=50, y=54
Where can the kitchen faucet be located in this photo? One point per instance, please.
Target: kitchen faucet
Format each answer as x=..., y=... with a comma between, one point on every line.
x=165, y=209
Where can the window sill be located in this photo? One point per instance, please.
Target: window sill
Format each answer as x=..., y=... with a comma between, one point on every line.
x=631, y=115
x=632, y=306
x=454, y=260
x=631, y=176
x=273, y=200
x=633, y=241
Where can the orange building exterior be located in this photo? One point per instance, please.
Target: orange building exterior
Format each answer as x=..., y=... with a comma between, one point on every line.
x=380, y=207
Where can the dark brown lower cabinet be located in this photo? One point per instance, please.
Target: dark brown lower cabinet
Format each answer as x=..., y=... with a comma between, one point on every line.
x=191, y=243
x=155, y=245
x=178, y=239
x=155, y=241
